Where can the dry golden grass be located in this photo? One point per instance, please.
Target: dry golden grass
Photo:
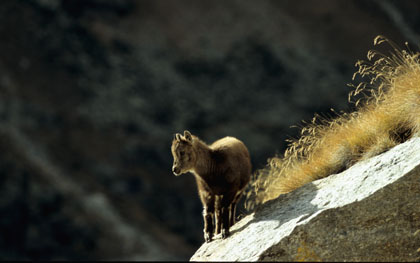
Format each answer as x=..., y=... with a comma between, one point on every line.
x=388, y=113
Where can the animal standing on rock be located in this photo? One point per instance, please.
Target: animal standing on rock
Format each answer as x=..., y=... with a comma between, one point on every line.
x=221, y=170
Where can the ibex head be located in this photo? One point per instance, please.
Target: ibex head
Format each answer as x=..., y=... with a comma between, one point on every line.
x=183, y=153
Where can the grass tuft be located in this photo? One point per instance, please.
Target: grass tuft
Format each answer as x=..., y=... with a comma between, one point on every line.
x=387, y=113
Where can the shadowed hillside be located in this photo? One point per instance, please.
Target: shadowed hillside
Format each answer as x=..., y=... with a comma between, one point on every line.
x=92, y=91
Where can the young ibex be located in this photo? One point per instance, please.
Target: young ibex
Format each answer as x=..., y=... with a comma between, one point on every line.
x=222, y=170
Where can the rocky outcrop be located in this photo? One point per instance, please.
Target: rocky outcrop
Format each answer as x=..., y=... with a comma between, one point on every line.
x=369, y=212
x=91, y=92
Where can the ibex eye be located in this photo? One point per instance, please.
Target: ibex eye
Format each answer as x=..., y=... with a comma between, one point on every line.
x=182, y=153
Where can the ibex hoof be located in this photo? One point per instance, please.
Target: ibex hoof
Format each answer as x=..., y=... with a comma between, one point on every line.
x=225, y=233
x=207, y=237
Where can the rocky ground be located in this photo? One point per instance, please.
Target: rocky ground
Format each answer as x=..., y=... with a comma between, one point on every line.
x=369, y=212
x=91, y=92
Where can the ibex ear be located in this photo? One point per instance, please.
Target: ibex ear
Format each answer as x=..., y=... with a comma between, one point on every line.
x=177, y=136
x=188, y=136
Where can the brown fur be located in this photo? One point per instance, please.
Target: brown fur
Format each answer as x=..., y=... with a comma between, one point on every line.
x=222, y=170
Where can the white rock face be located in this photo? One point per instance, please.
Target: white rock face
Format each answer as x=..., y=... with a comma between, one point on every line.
x=369, y=212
